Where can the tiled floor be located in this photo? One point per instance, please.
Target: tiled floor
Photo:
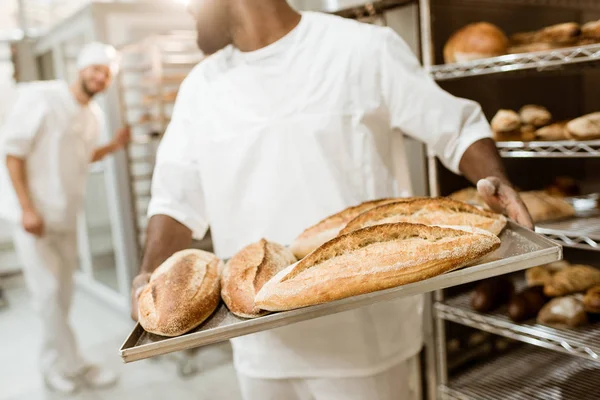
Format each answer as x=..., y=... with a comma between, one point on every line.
x=101, y=331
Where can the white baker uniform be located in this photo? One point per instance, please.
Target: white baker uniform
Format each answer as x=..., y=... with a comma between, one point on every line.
x=267, y=143
x=57, y=137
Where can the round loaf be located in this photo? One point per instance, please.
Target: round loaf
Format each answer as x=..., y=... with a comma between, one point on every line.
x=535, y=115
x=182, y=293
x=247, y=272
x=506, y=121
x=475, y=41
x=586, y=127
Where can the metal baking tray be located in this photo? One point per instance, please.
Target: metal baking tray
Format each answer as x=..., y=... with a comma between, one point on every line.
x=520, y=249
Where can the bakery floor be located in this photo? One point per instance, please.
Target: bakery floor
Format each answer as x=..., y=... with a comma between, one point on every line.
x=100, y=331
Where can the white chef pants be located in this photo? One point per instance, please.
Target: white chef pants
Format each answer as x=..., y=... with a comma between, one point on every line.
x=48, y=266
x=402, y=382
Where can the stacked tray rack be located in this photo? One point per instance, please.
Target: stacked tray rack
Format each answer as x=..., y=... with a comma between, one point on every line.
x=553, y=358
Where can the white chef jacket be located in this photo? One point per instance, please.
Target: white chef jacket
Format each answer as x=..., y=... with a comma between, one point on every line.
x=267, y=143
x=57, y=137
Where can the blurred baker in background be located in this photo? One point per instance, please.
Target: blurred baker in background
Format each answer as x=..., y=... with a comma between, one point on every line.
x=47, y=142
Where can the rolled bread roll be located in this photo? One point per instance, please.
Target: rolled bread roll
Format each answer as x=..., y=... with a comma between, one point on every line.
x=475, y=41
x=182, y=293
x=247, y=272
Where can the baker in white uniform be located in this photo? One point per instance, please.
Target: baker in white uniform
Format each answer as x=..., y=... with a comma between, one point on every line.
x=292, y=118
x=47, y=142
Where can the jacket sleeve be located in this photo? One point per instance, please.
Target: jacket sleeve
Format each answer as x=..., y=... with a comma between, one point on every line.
x=23, y=123
x=176, y=186
x=418, y=107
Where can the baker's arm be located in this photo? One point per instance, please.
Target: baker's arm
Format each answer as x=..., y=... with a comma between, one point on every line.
x=121, y=139
x=31, y=220
x=454, y=128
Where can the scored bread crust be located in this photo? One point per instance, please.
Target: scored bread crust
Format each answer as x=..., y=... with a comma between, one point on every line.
x=182, y=293
x=247, y=272
x=371, y=259
x=329, y=227
x=438, y=211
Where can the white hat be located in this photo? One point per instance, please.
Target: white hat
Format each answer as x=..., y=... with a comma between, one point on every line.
x=96, y=53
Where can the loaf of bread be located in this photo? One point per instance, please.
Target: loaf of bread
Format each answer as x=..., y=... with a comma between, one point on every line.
x=371, y=259
x=522, y=38
x=492, y=293
x=329, y=228
x=591, y=30
x=506, y=121
x=544, y=207
x=542, y=275
x=565, y=33
x=576, y=278
x=553, y=132
x=183, y=292
x=526, y=304
x=469, y=195
x=586, y=127
x=475, y=41
x=535, y=115
x=439, y=211
x=531, y=48
x=563, y=311
x=591, y=301
x=247, y=272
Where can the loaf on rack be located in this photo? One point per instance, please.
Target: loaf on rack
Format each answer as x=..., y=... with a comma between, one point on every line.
x=576, y=278
x=506, y=121
x=586, y=127
x=475, y=41
x=439, y=211
x=371, y=259
x=565, y=33
x=542, y=275
x=492, y=293
x=526, y=304
x=591, y=30
x=329, y=228
x=544, y=207
x=182, y=293
x=535, y=115
x=591, y=301
x=247, y=272
x=563, y=311
x=553, y=132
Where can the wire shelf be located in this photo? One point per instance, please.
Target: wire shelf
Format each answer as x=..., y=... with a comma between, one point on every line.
x=561, y=149
x=577, y=4
x=528, y=373
x=581, y=233
x=582, y=342
x=540, y=61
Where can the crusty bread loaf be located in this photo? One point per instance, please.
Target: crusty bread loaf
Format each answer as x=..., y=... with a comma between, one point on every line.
x=563, y=311
x=544, y=207
x=535, y=115
x=371, y=259
x=439, y=211
x=586, y=127
x=591, y=301
x=183, y=292
x=329, y=228
x=565, y=33
x=506, y=121
x=469, y=195
x=247, y=272
x=522, y=38
x=576, y=278
x=475, y=41
x=553, y=132
x=531, y=48
x=591, y=30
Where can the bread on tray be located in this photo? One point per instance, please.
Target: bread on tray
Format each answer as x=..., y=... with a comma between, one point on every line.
x=247, y=272
x=182, y=292
x=329, y=228
x=371, y=259
x=439, y=211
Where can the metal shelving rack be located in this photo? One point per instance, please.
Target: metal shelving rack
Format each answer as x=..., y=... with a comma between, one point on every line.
x=151, y=75
x=554, y=360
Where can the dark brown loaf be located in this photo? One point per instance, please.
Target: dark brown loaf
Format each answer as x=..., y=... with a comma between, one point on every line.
x=183, y=292
x=438, y=211
x=247, y=272
x=371, y=259
x=329, y=228
x=526, y=304
x=491, y=294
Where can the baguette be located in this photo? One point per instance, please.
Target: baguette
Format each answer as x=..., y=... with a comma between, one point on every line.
x=553, y=132
x=329, y=228
x=586, y=127
x=565, y=34
x=440, y=211
x=544, y=207
x=182, y=293
x=371, y=259
x=247, y=272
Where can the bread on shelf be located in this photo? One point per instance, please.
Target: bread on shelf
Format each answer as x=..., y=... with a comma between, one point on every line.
x=574, y=279
x=475, y=41
x=586, y=127
x=562, y=312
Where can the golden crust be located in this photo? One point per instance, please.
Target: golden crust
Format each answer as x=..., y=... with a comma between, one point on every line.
x=247, y=272
x=371, y=259
x=181, y=294
x=439, y=211
x=576, y=278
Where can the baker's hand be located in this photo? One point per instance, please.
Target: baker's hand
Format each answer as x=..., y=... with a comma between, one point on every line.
x=138, y=284
x=32, y=222
x=122, y=137
x=504, y=199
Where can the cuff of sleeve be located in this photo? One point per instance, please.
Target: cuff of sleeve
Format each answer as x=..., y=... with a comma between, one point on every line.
x=466, y=140
x=15, y=151
x=197, y=227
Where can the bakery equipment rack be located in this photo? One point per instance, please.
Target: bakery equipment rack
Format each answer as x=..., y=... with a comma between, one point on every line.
x=152, y=72
x=554, y=360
